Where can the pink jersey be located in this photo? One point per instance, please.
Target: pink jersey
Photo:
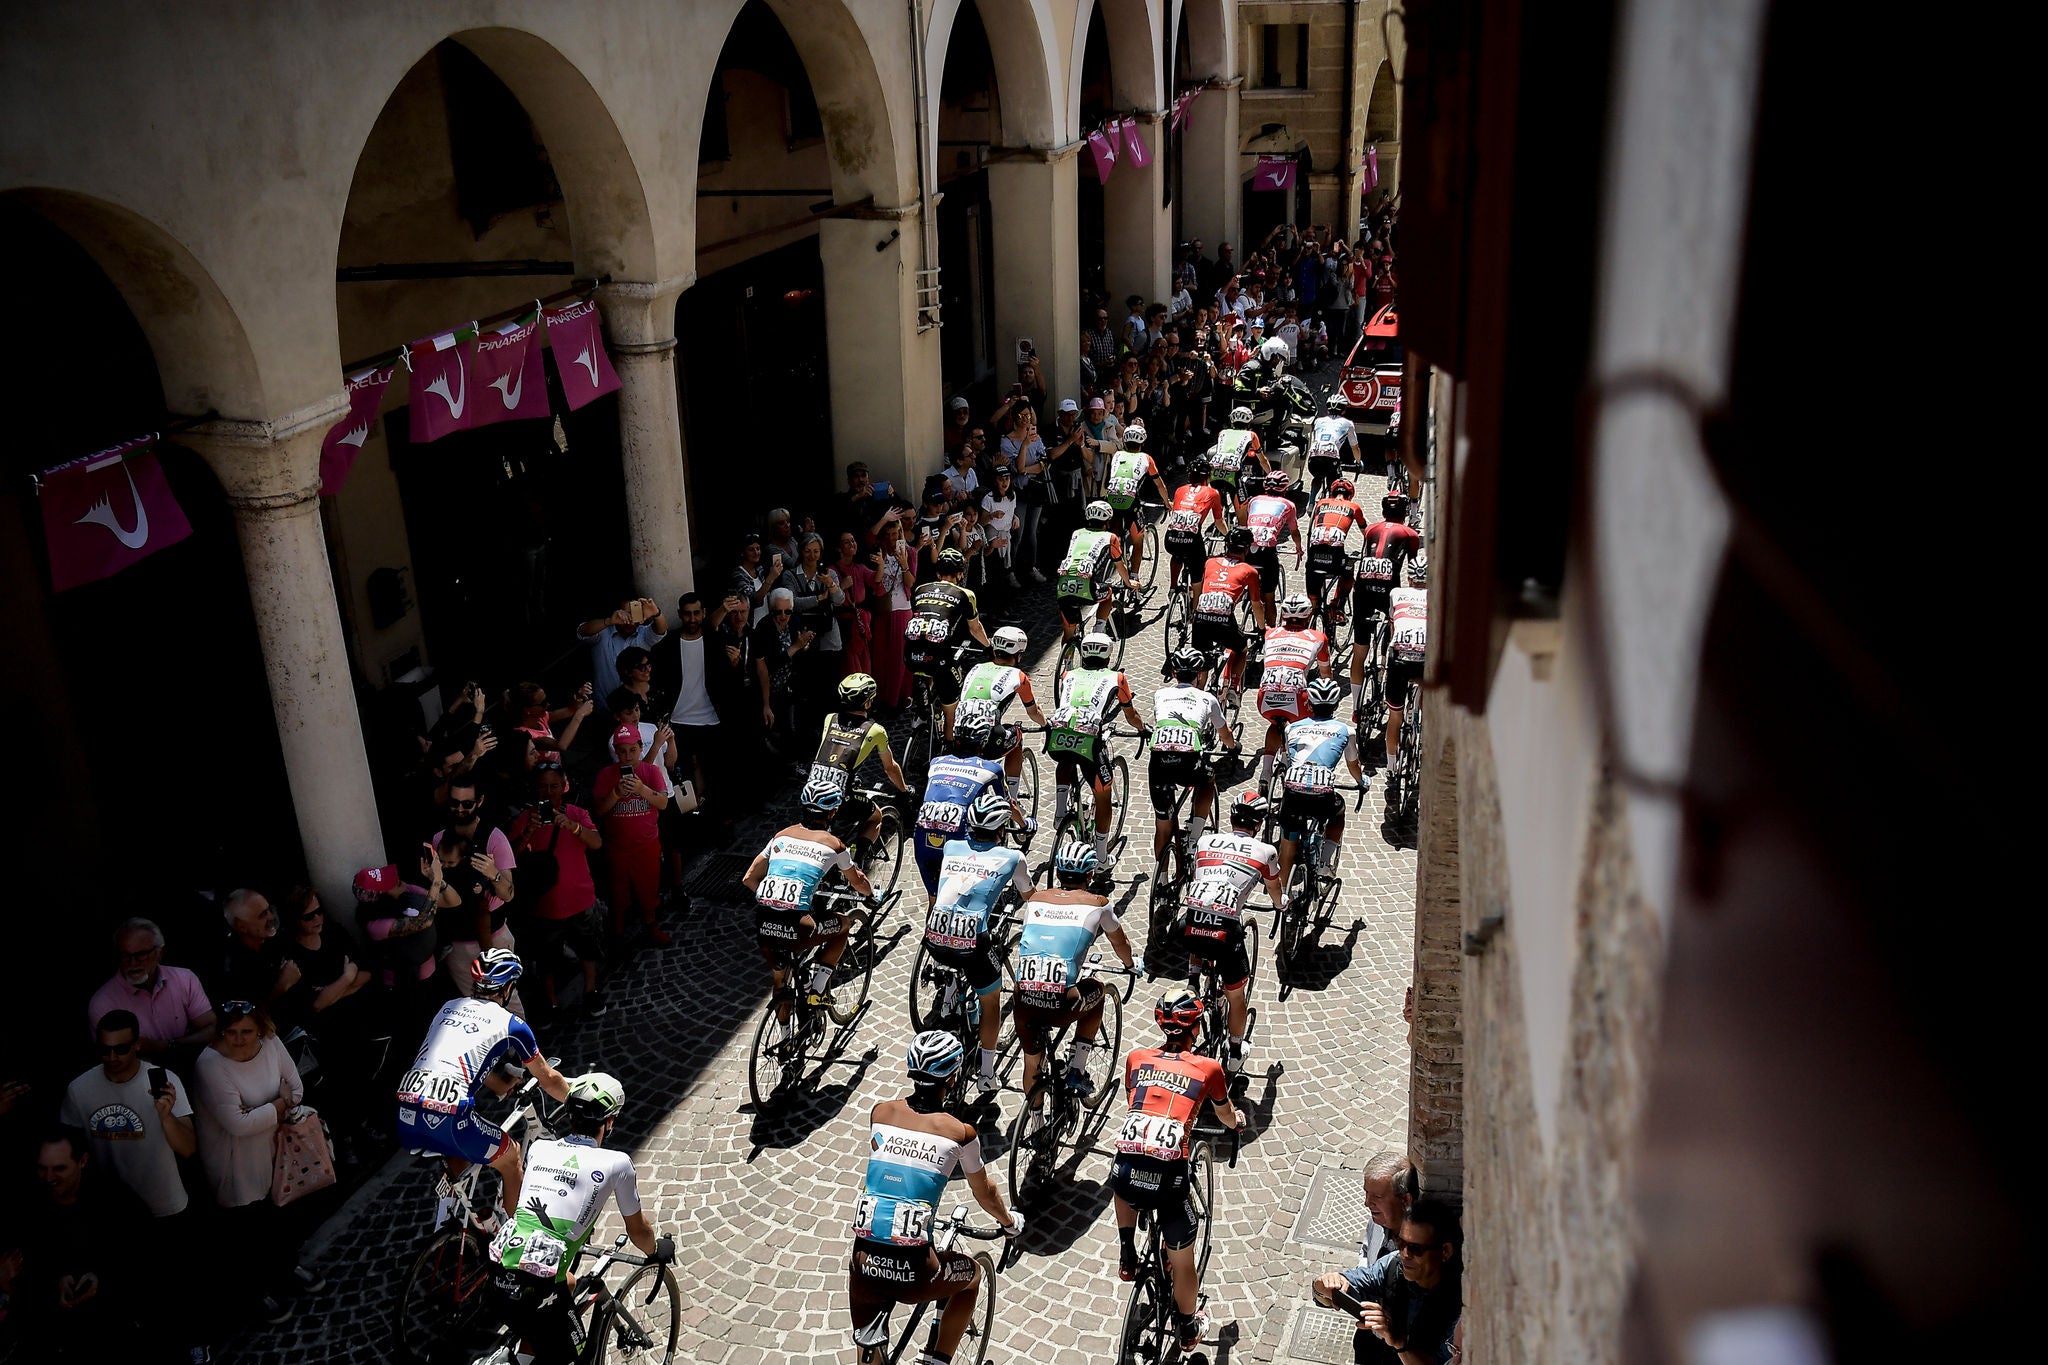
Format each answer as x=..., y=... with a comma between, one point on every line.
x=1292, y=656
x=1271, y=517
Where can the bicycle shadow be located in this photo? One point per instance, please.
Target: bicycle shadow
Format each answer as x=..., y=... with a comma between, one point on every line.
x=1316, y=964
x=1064, y=1213
x=1257, y=1113
x=1227, y=1338
x=809, y=1106
x=1404, y=834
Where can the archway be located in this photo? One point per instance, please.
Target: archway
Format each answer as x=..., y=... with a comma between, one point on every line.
x=1383, y=127
x=968, y=124
x=1120, y=74
x=1094, y=100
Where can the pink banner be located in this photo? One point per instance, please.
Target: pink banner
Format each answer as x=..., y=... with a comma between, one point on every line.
x=1274, y=173
x=1114, y=131
x=1134, y=144
x=108, y=511
x=345, y=441
x=1181, y=105
x=1104, y=154
x=578, y=343
x=1369, y=172
x=441, y=395
x=507, y=373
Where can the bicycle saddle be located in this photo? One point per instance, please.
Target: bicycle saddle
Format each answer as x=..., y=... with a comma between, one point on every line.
x=875, y=1332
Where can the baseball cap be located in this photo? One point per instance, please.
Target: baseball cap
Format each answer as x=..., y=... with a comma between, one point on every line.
x=1069, y=405
x=373, y=882
x=625, y=734
x=1095, y=405
x=957, y=405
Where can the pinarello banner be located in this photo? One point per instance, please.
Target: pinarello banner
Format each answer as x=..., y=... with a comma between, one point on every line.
x=1104, y=154
x=443, y=396
x=107, y=511
x=1134, y=144
x=345, y=441
x=578, y=342
x=1274, y=173
x=1114, y=131
x=506, y=370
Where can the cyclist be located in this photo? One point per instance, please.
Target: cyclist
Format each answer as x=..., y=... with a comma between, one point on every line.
x=939, y=611
x=973, y=874
x=1408, y=609
x=957, y=780
x=535, y=1250
x=1228, y=581
x=784, y=877
x=1128, y=470
x=1294, y=650
x=1235, y=447
x=914, y=1147
x=1390, y=544
x=987, y=692
x=1195, y=503
x=1270, y=515
x=1333, y=431
x=849, y=738
x=1083, y=577
x=1088, y=699
x=1211, y=925
x=1329, y=531
x=1060, y=925
x=462, y=1052
x=1309, y=780
x=1187, y=723
x=1168, y=1088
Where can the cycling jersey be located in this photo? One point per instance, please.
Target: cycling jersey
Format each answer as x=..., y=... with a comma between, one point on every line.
x=1194, y=506
x=1409, y=611
x=1185, y=720
x=1225, y=584
x=843, y=745
x=1167, y=1092
x=1055, y=941
x=567, y=1181
x=467, y=1038
x=1128, y=470
x=1389, y=545
x=987, y=692
x=1331, y=435
x=1085, y=570
x=907, y=1173
x=1292, y=656
x=1088, y=698
x=950, y=790
x=796, y=866
x=1332, y=522
x=1271, y=518
x=1228, y=867
x=971, y=880
x=1313, y=749
x=1233, y=448
x=939, y=613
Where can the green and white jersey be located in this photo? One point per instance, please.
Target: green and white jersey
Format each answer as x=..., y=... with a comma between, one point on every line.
x=1185, y=720
x=1086, y=566
x=1233, y=448
x=567, y=1182
x=985, y=694
x=1088, y=698
x=1128, y=470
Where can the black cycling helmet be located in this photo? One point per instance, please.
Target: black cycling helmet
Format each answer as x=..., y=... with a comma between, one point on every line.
x=997, y=741
x=1186, y=662
x=1248, y=811
x=952, y=561
x=1238, y=541
x=1394, y=506
x=1198, y=469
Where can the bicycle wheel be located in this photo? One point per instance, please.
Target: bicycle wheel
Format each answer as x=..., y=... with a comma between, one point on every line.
x=1251, y=953
x=1177, y=625
x=855, y=974
x=929, y=983
x=884, y=864
x=1116, y=633
x=1119, y=796
x=1106, y=1058
x=917, y=750
x=1027, y=785
x=1202, y=1190
x=440, y=1318
x=973, y=1347
x=1287, y=934
x=1408, y=755
x=1145, y=1336
x=1069, y=656
x=646, y=1316
x=1031, y=1159
x=1150, y=543
x=778, y=1049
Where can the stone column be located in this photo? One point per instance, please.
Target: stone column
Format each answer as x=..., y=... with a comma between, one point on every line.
x=1436, y=1076
x=642, y=320
x=886, y=386
x=1038, y=263
x=270, y=473
x=1137, y=227
x=1213, y=178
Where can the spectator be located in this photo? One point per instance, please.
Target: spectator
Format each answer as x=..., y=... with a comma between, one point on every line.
x=694, y=719
x=629, y=800
x=780, y=541
x=780, y=647
x=247, y=1088
x=1099, y=346
x=83, y=1235
x=1026, y=454
x=1030, y=382
x=756, y=575
x=325, y=1003
x=506, y=776
x=962, y=482
x=1410, y=1298
x=1226, y=265
x=637, y=621
x=1102, y=436
x=816, y=595
x=534, y=719
x=137, y=1129
x=567, y=915
x=488, y=865
x=1132, y=333
x=1070, y=458
x=896, y=571
x=657, y=742
x=398, y=921
x=958, y=419
x=999, y=507
x=168, y=1002
x=253, y=964
x=636, y=677
x=865, y=505
x=855, y=577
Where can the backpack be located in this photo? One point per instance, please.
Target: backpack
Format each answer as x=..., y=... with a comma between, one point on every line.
x=539, y=871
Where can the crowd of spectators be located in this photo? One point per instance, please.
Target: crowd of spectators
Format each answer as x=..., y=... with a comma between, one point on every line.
x=1406, y=1289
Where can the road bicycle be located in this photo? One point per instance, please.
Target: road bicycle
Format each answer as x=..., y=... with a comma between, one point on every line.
x=872, y=1339
x=1123, y=602
x=1404, y=778
x=1080, y=797
x=1302, y=898
x=928, y=717
x=1144, y=530
x=1035, y=1157
x=1330, y=592
x=637, y=1323
x=881, y=861
x=940, y=996
x=1149, y=1333
x=1170, y=864
x=792, y=1032
x=1369, y=711
x=1206, y=981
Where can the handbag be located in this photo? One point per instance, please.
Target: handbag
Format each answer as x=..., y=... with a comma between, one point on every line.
x=304, y=1162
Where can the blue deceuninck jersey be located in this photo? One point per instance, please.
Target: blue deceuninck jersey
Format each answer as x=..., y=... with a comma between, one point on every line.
x=949, y=791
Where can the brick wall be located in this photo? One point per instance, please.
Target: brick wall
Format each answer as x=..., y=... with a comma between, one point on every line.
x=1436, y=1095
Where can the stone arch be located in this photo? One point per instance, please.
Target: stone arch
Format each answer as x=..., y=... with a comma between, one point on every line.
x=1383, y=109
x=1134, y=61
x=1020, y=36
x=202, y=350
x=1209, y=38
x=867, y=158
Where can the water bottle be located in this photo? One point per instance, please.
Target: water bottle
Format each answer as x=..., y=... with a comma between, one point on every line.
x=973, y=1008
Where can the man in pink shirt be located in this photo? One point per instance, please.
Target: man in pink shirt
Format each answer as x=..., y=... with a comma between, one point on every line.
x=168, y=1002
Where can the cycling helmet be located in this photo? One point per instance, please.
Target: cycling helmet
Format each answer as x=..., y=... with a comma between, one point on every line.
x=968, y=739
x=1296, y=607
x=857, y=691
x=997, y=741
x=1342, y=488
x=1187, y=660
x=1095, y=649
x=1009, y=640
x=1418, y=571
x=1394, y=506
x=821, y=796
x=1249, y=811
x=1134, y=436
x=1178, y=1011
x=1076, y=858
x=1333, y=402
x=1278, y=481
x=1097, y=513
x=1323, y=696
x=934, y=1057
x=1198, y=468
x=1238, y=541
x=952, y=561
x=596, y=1096
x=495, y=969
x=990, y=813
x=1240, y=416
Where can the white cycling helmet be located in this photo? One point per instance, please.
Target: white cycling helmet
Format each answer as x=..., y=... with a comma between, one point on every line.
x=1240, y=417
x=1009, y=640
x=1296, y=607
x=1134, y=436
x=1095, y=646
x=934, y=1056
x=990, y=813
x=1097, y=513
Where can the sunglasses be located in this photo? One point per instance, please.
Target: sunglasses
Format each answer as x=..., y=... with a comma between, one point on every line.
x=464, y=805
x=635, y=668
x=231, y=1010
x=1409, y=1248
x=782, y=611
x=118, y=1049
x=315, y=913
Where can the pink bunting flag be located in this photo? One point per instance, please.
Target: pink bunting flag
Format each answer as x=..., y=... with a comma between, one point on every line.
x=440, y=393
x=1274, y=173
x=1134, y=144
x=1114, y=131
x=1104, y=154
x=1180, y=108
x=507, y=373
x=105, y=512
x=1369, y=172
x=345, y=440
x=577, y=339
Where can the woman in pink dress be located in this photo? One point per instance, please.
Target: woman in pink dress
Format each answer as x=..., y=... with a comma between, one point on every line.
x=857, y=581
x=897, y=575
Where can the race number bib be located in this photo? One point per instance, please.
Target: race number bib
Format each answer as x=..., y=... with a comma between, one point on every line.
x=974, y=713
x=1312, y=779
x=1266, y=535
x=931, y=629
x=783, y=893
x=825, y=775
x=946, y=815
x=1184, y=521
x=1215, y=604
x=955, y=930
x=1411, y=640
x=1176, y=739
x=1328, y=535
x=1153, y=1135
x=1376, y=569
x=435, y=1090
x=1043, y=976
x=1225, y=461
x=905, y=1222
x=1281, y=684
x=1085, y=723
x=1124, y=485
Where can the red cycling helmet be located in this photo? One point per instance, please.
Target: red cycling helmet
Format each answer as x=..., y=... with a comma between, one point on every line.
x=1178, y=1011
x=1394, y=506
x=1342, y=488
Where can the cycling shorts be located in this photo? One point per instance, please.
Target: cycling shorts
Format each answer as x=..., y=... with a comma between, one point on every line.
x=1161, y=1186
x=468, y=1136
x=878, y=1275
x=929, y=860
x=539, y=1312
x=977, y=964
x=1121, y=520
x=1369, y=598
x=1186, y=546
x=1168, y=773
x=1213, y=635
x=1324, y=561
x=1267, y=562
x=1074, y=609
x=1233, y=964
x=1399, y=675
x=792, y=931
x=1324, y=466
x=1088, y=761
x=939, y=669
x=1297, y=809
x=1035, y=1023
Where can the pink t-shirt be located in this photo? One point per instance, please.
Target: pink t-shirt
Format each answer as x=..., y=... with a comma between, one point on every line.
x=632, y=820
x=575, y=890
x=500, y=849
x=168, y=1009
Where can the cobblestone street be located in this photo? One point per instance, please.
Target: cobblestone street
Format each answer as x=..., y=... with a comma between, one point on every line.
x=758, y=1203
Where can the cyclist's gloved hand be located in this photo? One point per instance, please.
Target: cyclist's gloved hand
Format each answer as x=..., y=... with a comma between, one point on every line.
x=874, y=900
x=1016, y=1228
x=664, y=1250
